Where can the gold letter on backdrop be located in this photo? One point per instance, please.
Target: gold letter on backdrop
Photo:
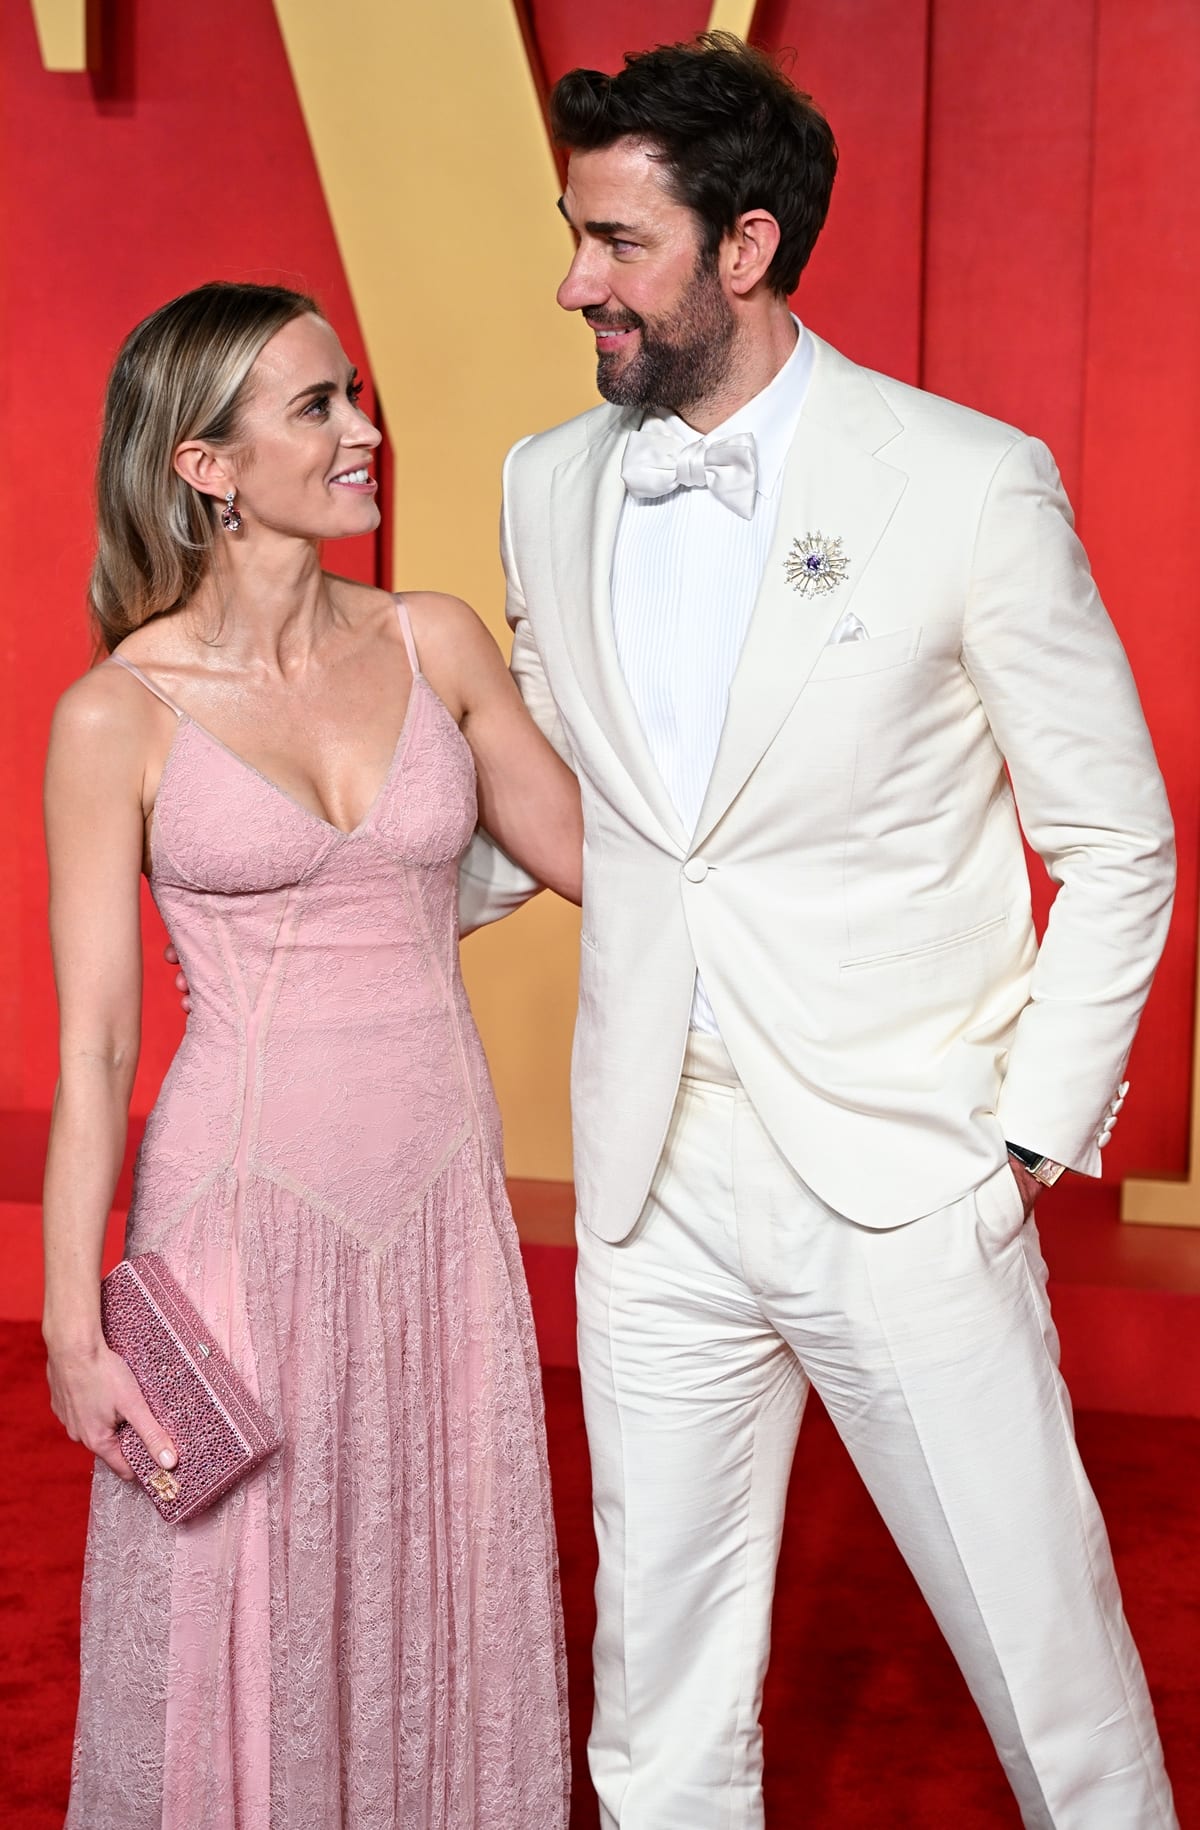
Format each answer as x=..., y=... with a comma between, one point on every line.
x=734, y=16
x=62, y=29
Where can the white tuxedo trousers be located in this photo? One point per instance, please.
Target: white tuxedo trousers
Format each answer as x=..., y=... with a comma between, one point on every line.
x=932, y=1347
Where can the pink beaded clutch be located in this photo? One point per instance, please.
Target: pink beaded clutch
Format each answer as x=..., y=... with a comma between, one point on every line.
x=219, y=1429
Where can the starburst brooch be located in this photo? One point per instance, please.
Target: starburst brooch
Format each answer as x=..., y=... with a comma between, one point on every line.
x=816, y=564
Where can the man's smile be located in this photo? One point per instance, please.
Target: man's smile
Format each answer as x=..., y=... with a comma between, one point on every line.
x=610, y=337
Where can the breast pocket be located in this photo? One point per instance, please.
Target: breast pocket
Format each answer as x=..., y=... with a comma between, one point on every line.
x=849, y=660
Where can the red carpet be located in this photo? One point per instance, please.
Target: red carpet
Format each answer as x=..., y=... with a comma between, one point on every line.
x=868, y=1724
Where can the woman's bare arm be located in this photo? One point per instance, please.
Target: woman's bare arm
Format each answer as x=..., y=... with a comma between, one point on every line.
x=94, y=835
x=528, y=797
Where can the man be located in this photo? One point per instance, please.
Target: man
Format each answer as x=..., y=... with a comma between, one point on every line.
x=789, y=620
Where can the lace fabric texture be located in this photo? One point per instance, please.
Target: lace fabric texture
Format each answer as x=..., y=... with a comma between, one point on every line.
x=366, y=1633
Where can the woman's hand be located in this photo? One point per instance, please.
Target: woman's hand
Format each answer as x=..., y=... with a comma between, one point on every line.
x=92, y=1391
x=181, y=984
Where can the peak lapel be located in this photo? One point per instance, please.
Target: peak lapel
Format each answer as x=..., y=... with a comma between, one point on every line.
x=585, y=505
x=832, y=484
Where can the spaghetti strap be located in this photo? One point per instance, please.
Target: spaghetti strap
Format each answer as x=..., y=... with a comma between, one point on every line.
x=406, y=632
x=120, y=661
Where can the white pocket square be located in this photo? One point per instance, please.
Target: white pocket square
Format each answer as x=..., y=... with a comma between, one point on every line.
x=848, y=629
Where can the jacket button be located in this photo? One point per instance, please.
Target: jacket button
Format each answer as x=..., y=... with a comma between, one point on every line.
x=695, y=870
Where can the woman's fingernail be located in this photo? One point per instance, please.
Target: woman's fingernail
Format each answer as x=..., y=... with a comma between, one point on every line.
x=167, y=1458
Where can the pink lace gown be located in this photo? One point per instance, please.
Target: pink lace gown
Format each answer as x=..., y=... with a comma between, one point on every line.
x=365, y=1633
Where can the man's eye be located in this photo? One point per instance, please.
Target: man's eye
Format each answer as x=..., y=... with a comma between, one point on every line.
x=623, y=247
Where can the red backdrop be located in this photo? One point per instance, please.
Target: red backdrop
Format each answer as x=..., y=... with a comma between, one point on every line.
x=1016, y=224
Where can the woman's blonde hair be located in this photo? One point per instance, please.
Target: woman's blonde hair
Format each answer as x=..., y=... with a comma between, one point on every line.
x=180, y=375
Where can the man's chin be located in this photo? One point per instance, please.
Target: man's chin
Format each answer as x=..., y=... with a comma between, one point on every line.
x=618, y=382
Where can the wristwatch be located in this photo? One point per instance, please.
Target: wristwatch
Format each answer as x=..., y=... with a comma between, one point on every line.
x=1042, y=1168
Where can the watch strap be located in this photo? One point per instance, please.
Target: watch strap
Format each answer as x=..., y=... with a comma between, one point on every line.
x=1042, y=1168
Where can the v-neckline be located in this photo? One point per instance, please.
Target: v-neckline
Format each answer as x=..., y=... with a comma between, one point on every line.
x=330, y=826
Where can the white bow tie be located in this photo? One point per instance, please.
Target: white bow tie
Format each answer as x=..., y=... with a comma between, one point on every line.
x=657, y=461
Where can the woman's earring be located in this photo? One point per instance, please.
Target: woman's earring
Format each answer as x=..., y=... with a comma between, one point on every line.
x=231, y=521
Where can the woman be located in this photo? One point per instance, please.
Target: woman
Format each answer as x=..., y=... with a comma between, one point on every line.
x=366, y=1631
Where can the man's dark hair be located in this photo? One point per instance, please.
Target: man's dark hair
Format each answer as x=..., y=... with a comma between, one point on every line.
x=731, y=131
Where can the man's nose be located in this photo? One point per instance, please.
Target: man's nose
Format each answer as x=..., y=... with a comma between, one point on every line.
x=583, y=284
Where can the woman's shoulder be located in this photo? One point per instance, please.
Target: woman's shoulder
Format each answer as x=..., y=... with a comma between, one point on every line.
x=94, y=700
x=102, y=721
x=108, y=704
x=445, y=620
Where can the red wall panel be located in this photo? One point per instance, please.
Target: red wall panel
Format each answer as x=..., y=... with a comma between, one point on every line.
x=1141, y=469
x=865, y=66
x=1008, y=192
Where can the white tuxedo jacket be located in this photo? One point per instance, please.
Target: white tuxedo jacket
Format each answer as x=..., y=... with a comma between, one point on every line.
x=855, y=893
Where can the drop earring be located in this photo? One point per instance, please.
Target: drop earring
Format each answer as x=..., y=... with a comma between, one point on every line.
x=231, y=521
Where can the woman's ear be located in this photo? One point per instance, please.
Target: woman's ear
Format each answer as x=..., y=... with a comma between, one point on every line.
x=749, y=249
x=203, y=469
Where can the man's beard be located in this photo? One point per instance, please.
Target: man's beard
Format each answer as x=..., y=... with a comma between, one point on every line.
x=682, y=358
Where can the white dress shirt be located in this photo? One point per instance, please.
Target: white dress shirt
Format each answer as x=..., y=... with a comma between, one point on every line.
x=686, y=573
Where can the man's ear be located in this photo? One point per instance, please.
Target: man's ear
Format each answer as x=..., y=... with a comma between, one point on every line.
x=748, y=250
x=201, y=467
